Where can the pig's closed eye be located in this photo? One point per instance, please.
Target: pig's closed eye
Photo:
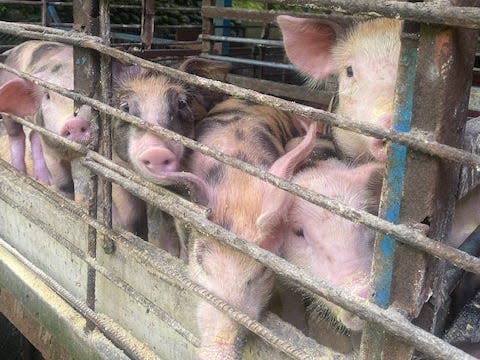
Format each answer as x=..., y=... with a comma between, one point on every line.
x=47, y=96
x=298, y=232
x=124, y=107
x=349, y=71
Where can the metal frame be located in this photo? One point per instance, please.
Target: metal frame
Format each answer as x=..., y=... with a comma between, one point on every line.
x=94, y=48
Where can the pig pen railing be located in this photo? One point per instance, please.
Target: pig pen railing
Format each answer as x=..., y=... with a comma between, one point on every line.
x=166, y=267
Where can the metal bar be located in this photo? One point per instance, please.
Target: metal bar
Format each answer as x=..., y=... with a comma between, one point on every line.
x=105, y=123
x=22, y=209
x=211, y=12
x=391, y=320
x=415, y=139
x=44, y=13
x=249, y=61
x=207, y=28
x=278, y=43
x=384, y=249
x=463, y=16
x=148, y=13
x=86, y=78
x=400, y=232
x=106, y=328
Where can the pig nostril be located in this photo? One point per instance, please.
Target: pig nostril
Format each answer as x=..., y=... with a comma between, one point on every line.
x=166, y=162
x=67, y=133
x=83, y=129
x=146, y=162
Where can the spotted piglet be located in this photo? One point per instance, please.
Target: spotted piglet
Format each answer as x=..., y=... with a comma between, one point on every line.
x=240, y=203
x=51, y=62
x=166, y=102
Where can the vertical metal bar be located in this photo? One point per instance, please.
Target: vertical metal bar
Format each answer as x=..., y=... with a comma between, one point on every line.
x=148, y=12
x=105, y=124
x=444, y=70
x=44, y=12
x=86, y=79
x=225, y=29
x=382, y=268
x=207, y=29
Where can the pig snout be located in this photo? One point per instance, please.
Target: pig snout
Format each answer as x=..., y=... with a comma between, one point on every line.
x=159, y=160
x=76, y=129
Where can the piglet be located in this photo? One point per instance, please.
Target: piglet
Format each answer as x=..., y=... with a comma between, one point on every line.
x=365, y=60
x=51, y=62
x=166, y=102
x=242, y=204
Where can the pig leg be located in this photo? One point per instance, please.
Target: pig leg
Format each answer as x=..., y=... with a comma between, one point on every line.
x=40, y=170
x=60, y=172
x=161, y=231
x=16, y=138
x=129, y=212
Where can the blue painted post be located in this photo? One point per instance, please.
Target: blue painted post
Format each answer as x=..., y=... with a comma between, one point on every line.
x=384, y=253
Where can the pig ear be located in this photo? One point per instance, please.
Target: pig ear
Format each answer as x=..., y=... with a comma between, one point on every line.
x=121, y=71
x=466, y=219
x=309, y=42
x=215, y=70
x=276, y=201
x=20, y=97
x=370, y=176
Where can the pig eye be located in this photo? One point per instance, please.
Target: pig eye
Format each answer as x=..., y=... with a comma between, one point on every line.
x=124, y=107
x=349, y=71
x=299, y=232
x=47, y=96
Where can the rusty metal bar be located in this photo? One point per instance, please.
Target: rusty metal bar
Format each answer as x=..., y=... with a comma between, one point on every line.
x=446, y=14
x=415, y=139
x=105, y=123
x=384, y=249
x=161, y=264
x=86, y=77
x=392, y=321
x=209, y=11
x=104, y=271
x=148, y=13
x=400, y=232
x=104, y=326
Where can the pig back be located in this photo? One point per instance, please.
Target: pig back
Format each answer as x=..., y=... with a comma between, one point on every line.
x=253, y=133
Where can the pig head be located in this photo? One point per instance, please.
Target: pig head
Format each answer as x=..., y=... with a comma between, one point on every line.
x=326, y=245
x=364, y=59
x=241, y=204
x=51, y=62
x=166, y=102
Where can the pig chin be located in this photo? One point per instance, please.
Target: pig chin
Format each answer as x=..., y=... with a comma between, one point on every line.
x=340, y=319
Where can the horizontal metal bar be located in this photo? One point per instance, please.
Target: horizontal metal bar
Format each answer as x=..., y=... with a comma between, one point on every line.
x=110, y=332
x=389, y=319
x=165, y=317
x=161, y=262
x=426, y=12
x=248, y=61
x=415, y=139
x=268, y=16
x=392, y=321
x=253, y=41
x=401, y=233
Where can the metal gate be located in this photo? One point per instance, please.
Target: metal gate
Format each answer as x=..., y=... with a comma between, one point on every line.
x=103, y=293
